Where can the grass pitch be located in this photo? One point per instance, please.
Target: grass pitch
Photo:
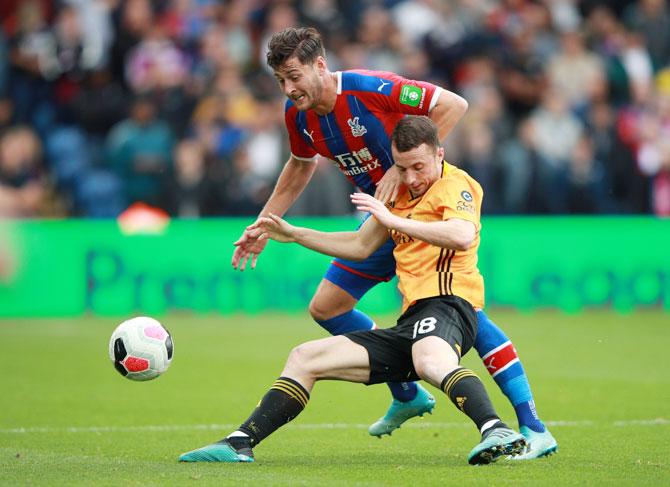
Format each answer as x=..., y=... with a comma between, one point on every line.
x=68, y=418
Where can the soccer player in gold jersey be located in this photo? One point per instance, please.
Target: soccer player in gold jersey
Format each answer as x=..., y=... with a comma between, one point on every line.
x=435, y=226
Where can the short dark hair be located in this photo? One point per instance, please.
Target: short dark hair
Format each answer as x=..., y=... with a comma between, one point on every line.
x=412, y=131
x=303, y=42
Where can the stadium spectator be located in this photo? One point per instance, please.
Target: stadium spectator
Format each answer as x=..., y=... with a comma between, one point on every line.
x=380, y=39
x=97, y=31
x=155, y=62
x=325, y=16
x=132, y=23
x=187, y=191
x=575, y=72
x=587, y=180
x=265, y=144
x=236, y=23
x=480, y=158
x=32, y=67
x=653, y=153
x=519, y=161
x=279, y=16
x=139, y=150
x=22, y=185
x=555, y=133
x=185, y=21
x=68, y=53
x=521, y=73
x=213, y=57
x=651, y=20
x=182, y=52
x=100, y=103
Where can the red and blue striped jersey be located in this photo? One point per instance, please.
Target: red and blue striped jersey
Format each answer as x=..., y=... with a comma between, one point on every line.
x=356, y=134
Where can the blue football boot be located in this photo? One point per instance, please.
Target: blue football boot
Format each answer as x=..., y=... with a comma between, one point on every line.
x=221, y=451
x=399, y=412
x=539, y=444
x=497, y=442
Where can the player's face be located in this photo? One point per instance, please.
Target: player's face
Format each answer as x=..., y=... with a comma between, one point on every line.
x=419, y=167
x=302, y=83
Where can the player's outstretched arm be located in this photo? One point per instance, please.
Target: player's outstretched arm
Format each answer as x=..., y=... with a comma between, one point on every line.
x=346, y=245
x=290, y=185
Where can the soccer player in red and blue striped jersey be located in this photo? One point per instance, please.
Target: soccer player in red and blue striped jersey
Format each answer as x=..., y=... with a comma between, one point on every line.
x=348, y=117
x=355, y=134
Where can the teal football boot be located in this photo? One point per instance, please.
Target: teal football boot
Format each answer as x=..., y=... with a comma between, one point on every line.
x=497, y=442
x=399, y=412
x=539, y=444
x=221, y=451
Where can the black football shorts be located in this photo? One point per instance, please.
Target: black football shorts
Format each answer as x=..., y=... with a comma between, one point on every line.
x=390, y=349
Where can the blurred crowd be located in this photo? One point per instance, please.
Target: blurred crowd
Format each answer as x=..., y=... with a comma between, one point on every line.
x=104, y=103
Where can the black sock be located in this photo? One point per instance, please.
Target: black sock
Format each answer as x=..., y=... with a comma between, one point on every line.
x=467, y=392
x=283, y=402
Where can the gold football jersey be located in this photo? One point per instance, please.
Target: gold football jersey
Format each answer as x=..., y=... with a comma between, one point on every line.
x=425, y=270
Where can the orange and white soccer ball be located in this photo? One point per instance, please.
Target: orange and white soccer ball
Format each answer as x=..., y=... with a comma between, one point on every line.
x=141, y=348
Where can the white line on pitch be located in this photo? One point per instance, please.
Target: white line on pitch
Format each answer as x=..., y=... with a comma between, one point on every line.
x=315, y=426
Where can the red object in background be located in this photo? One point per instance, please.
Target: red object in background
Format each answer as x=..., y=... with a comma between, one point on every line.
x=661, y=194
x=8, y=10
x=627, y=127
x=66, y=89
x=140, y=218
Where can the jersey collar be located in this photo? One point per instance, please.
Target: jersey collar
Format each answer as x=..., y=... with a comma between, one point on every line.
x=445, y=168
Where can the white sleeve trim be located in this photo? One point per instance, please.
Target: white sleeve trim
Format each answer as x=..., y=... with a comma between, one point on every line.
x=436, y=96
x=306, y=159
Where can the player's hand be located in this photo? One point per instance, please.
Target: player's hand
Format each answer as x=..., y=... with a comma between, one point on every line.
x=275, y=228
x=389, y=185
x=365, y=202
x=248, y=246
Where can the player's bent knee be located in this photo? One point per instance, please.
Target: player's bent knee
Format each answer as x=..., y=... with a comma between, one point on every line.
x=322, y=308
x=330, y=301
x=302, y=359
x=433, y=367
x=319, y=310
x=426, y=368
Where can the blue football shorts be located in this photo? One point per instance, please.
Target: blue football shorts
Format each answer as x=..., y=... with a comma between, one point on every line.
x=358, y=277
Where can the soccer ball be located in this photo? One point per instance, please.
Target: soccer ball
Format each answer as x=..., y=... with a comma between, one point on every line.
x=141, y=349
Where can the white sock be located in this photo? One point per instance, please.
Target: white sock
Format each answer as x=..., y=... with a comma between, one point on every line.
x=236, y=434
x=488, y=424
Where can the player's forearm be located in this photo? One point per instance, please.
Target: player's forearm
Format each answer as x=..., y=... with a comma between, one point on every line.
x=449, y=109
x=446, y=234
x=291, y=183
x=344, y=245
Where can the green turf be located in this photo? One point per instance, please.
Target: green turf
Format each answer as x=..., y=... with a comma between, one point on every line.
x=68, y=418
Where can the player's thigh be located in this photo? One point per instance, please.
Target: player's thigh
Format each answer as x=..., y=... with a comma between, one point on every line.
x=330, y=358
x=389, y=352
x=443, y=328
